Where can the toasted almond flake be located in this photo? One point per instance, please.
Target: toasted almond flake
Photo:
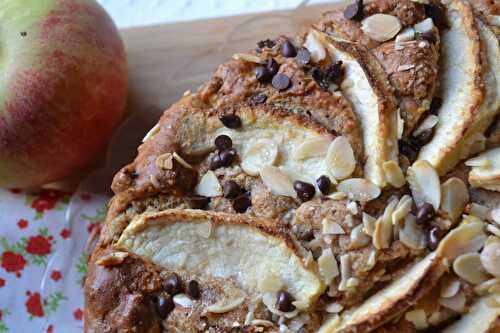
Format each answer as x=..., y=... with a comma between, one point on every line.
x=382, y=235
x=402, y=209
x=418, y=318
x=334, y=307
x=327, y=265
x=394, y=174
x=484, y=288
x=370, y=263
x=425, y=26
x=183, y=300
x=358, y=237
x=340, y=161
x=316, y=49
x=455, y=303
x=494, y=230
x=424, y=184
x=411, y=235
x=429, y=122
x=352, y=282
x=151, y=132
x=330, y=227
x=181, y=161
x=301, y=305
x=479, y=211
x=345, y=271
x=381, y=27
x=495, y=215
x=270, y=283
x=359, y=189
x=277, y=181
x=209, y=185
x=424, y=2
x=490, y=259
x=248, y=57
x=449, y=286
x=468, y=267
x=406, y=35
x=454, y=198
x=337, y=196
x=315, y=147
x=400, y=124
x=262, y=322
x=368, y=224
x=258, y=154
x=480, y=161
x=165, y=161
x=406, y=67
x=226, y=305
x=465, y=238
x=112, y=259
x=352, y=207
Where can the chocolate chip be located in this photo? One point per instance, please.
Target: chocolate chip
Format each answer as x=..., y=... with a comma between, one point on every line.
x=354, y=11
x=435, y=236
x=333, y=73
x=227, y=157
x=262, y=74
x=258, y=99
x=429, y=36
x=437, y=14
x=284, y=302
x=436, y=104
x=232, y=189
x=423, y=138
x=164, y=305
x=288, y=50
x=272, y=66
x=230, y=121
x=198, y=202
x=305, y=191
x=324, y=183
x=223, y=142
x=406, y=149
x=241, y=203
x=173, y=284
x=281, y=82
x=215, y=162
x=193, y=289
x=265, y=43
x=303, y=56
x=425, y=213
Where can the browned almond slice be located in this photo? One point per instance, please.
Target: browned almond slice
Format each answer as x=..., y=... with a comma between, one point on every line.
x=481, y=318
x=487, y=176
x=238, y=247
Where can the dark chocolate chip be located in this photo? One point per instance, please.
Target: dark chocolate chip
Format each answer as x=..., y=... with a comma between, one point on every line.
x=272, y=66
x=230, y=121
x=223, y=142
x=198, y=202
x=324, y=183
x=241, y=203
x=193, y=289
x=288, y=49
x=305, y=191
x=281, y=82
x=227, y=157
x=303, y=56
x=262, y=74
x=307, y=235
x=354, y=11
x=284, y=302
x=258, y=99
x=215, y=162
x=164, y=305
x=406, y=149
x=425, y=213
x=436, y=104
x=423, y=138
x=437, y=14
x=173, y=284
x=435, y=236
x=333, y=73
x=266, y=43
x=429, y=36
x=232, y=189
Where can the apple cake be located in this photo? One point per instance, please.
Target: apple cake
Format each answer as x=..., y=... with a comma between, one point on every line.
x=343, y=180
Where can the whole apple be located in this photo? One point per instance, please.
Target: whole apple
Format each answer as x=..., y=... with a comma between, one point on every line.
x=63, y=87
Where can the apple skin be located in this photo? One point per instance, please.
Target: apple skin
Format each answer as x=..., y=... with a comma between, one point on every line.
x=63, y=88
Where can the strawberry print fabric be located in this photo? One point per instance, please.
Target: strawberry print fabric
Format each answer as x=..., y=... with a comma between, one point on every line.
x=43, y=258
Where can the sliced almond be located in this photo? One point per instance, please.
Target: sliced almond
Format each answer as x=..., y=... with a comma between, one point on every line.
x=226, y=304
x=479, y=211
x=165, y=161
x=209, y=185
x=402, y=209
x=337, y=196
x=359, y=189
x=400, y=124
x=340, y=161
x=328, y=267
x=381, y=27
x=495, y=215
x=249, y=57
x=258, y=154
x=151, y=132
x=183, y=300
x=382, y=234
x=261, y=322
x=411, y=235
x=370, y=263
x=345, y=271
x=425, y=26
x=368, y=224
x=454, y=198
x=480, y=161
x=181, y=161
x=405, y=67
x=493, y=229
x=406, y=35
x=450, y=286
x=331, y=228
x=394, y=174
x=424, y=184
x=277, y=181
x=112, y=259
x=418, y=318
x=465, y=238
x=485, y=287
x=468, y=267
x=490, y=259
x=334, y=307
x=358, y=237
x=315, y=147
x=314, y=46
x=455, y=303
x=429, y=122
